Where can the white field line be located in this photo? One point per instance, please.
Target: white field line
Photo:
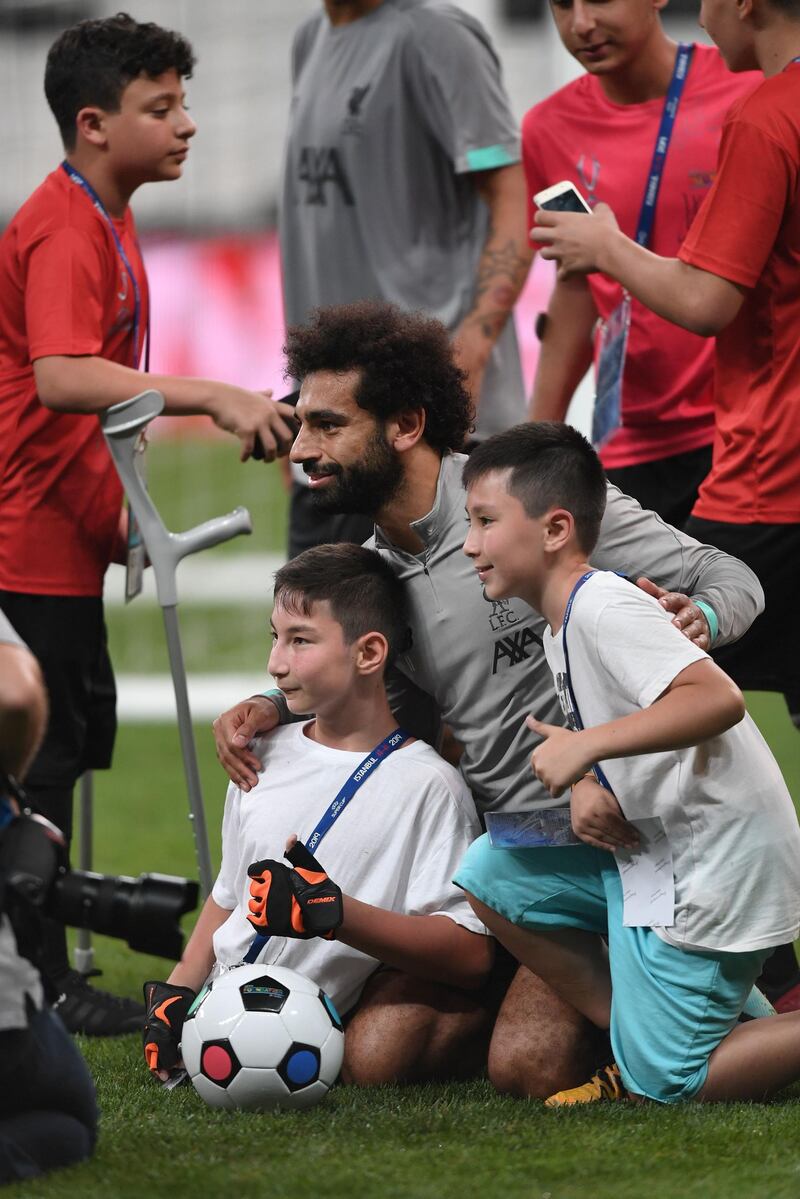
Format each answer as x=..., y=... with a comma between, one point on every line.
x=223, y=579
x=207, y=579
x=143, y=698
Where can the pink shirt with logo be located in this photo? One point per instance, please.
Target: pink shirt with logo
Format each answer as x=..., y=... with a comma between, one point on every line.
x=606, y=150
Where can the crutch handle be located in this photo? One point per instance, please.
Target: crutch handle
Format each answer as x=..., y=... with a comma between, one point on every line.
x=125, y=420
x=122, y=424
x=213, y=532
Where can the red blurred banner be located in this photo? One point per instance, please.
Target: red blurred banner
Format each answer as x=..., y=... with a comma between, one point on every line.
x=217, y=313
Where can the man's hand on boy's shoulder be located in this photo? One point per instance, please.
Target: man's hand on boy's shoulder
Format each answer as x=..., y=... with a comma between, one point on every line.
x=233, y=732
x=686, y=615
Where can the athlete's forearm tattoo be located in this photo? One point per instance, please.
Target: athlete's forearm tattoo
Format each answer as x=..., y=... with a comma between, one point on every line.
x=502, y=270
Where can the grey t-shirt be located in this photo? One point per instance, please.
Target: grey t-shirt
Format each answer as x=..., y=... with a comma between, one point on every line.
x=390, y=114
x=18, y=977
x=481, y=661
x=479, y=665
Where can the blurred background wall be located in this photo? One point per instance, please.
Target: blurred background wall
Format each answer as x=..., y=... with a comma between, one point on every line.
x=239, y=96
x=209, y=238
x=210, y=246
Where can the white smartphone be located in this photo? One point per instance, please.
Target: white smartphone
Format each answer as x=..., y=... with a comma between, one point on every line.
x=561, y=197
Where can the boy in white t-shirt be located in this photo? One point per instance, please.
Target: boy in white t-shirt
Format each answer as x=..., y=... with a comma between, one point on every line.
x=665, y=730
x=339, y=619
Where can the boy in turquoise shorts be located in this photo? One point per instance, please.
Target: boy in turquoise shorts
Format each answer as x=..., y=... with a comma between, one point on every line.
x=668, y=774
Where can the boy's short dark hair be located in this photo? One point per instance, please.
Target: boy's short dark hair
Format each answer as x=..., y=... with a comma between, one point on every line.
x=364, y=593
x=405, y=360
x=791, y=8
x=94, y=61
x=552, y=466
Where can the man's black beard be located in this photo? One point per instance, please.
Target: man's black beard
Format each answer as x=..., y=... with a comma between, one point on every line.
x=365, y=487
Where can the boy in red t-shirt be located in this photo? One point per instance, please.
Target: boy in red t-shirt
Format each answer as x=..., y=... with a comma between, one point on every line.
x=735, y=277
x=600, y=131
x=73, y=322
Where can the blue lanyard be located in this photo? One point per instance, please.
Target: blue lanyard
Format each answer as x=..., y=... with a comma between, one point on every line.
x=670, y=111
x=77, y=178
x=359, y=776
x=596, y=769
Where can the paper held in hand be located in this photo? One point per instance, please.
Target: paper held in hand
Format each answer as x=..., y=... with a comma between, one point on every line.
x=648, y=884
x=530, y=830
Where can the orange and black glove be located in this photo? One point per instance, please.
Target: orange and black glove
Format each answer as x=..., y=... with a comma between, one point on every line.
x=166, y=1011
x=302, y=902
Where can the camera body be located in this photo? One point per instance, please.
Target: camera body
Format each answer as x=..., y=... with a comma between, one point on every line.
x=35, y=877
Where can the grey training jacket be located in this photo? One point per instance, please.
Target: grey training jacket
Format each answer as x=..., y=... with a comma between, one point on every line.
x=479, y=665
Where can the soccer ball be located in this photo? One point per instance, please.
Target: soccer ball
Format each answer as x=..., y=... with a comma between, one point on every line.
x=263, y=1037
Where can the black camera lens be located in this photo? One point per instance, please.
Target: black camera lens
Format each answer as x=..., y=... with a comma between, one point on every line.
x=144, y=911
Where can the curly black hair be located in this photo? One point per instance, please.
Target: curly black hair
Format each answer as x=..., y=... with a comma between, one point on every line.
x=94, y=61
x=405, y=360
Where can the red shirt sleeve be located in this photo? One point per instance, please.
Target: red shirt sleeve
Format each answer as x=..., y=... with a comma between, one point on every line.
x=735, y=230
x=64, y=295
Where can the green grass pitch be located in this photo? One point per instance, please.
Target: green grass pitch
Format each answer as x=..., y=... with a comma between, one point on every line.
x=192, y=480
x=435, y=1142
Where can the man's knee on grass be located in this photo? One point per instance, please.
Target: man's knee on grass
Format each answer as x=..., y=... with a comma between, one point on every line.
x=406, y=1030
x=540, y=1043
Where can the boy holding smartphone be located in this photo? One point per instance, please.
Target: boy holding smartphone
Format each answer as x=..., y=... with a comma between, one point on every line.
x=601, y=132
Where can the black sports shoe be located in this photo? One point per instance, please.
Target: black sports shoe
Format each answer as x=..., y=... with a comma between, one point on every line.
x=95, y=1013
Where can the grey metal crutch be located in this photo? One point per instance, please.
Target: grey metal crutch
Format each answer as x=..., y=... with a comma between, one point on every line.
x=122, y=425
x=84, y=953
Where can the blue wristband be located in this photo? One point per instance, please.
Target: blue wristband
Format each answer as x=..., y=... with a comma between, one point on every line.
x=711, y=617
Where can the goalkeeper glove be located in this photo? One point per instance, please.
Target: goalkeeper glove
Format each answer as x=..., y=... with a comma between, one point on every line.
x=300, y=903
x=166, y=1011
